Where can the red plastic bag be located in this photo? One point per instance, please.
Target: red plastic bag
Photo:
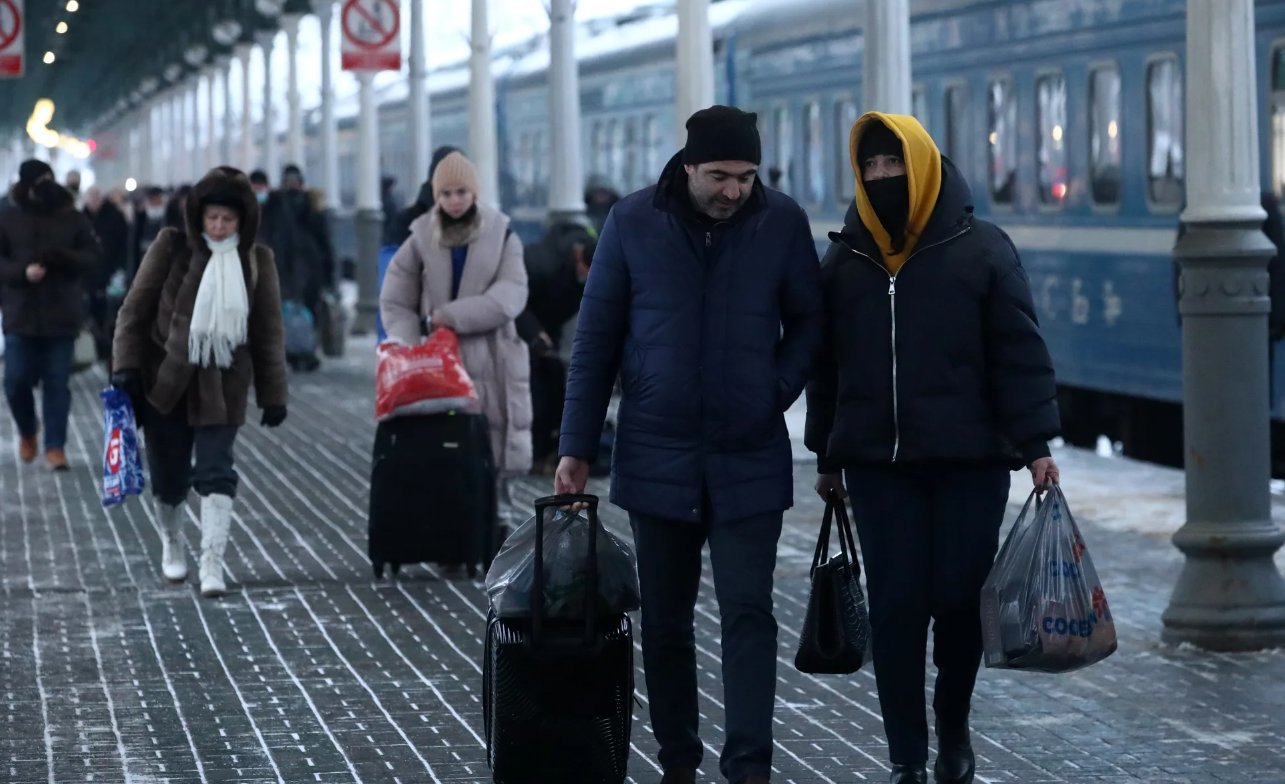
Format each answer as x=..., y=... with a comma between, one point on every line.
x=424, y=379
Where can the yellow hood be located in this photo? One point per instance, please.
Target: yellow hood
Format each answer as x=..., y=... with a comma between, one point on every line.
x=923, y=179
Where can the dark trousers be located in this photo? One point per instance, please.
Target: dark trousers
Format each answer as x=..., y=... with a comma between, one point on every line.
x=928, y=539
x=171, y=442
x=743, y=553
x=46, y=361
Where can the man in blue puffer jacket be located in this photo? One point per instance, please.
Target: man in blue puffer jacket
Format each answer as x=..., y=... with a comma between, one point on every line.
x=704, y=295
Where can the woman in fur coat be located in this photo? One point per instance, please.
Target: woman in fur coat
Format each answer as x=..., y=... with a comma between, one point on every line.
x=201, y=323
x=462, y=268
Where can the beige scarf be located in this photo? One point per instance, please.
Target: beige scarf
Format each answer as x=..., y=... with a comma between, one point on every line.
x=221, y=313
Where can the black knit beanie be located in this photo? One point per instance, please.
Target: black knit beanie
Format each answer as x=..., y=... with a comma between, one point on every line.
x=878, y=139
x=722, y=133
x=32, y=170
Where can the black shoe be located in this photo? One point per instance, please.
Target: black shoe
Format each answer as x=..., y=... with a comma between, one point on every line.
x=909, y=774
x=956, y=762
x=679, y=776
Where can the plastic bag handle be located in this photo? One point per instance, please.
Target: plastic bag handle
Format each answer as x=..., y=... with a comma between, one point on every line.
x=591, y=583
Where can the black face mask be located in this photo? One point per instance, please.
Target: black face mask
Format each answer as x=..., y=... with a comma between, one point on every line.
x=46, y=192
x=890, y=198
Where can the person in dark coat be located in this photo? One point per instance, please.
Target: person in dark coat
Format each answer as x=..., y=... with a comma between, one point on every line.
x=305, y=259
x=200, y=326
x=47, y=250
x=557, y=267
x=704, y=295
x=113, y=235
x=934, y=383
x=149, y=219
x=397, y=230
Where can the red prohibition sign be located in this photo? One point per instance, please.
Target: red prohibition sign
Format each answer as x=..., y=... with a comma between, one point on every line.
x=9, y=9
x=355, y=7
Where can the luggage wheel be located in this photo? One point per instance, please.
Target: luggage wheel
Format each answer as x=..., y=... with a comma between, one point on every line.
x=394, y=569
x=378, y=567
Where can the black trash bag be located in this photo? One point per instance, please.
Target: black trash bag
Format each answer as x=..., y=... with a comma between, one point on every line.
x=510, y=579
x=1043, y=607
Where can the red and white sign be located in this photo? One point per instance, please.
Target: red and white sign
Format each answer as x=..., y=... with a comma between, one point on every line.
x=372, y=39
x=12, y=21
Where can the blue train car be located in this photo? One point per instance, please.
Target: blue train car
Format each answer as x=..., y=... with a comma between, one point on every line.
x=1066, y=116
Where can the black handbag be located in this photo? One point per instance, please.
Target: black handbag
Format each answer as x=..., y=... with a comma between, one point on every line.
x=836, y=629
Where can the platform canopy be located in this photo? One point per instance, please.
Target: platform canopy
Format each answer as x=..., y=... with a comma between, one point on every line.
x=116, y=53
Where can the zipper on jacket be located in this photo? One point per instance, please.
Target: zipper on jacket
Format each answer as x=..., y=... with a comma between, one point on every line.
x=709, y=239
x=892, y=314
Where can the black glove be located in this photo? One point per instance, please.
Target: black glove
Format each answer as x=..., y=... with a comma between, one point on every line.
x=131, y=383
x=273, y=416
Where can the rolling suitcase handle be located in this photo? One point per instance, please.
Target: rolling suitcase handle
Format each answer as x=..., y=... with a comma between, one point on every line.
x=591, y=582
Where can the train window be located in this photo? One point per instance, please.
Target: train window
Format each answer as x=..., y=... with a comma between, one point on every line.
x=814, y=153
x=784, y=148
x=651, y=157
x=956, y=124
x=598, y=145
x=1104, y=134
x=615, y=153
x=1165, y=155
x=1002, y=137
x=1278, y=121
x=919, y=105
x=629, y=177
x=1050, y=105
x=539, y=168
x=845, y=116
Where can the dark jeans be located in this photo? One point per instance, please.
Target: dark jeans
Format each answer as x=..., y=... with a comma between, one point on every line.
x=46, y=361
x=928, y=539
x=743, y=553
x=170, y=444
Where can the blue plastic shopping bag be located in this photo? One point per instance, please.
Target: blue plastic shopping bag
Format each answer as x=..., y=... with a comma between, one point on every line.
x=122, y=460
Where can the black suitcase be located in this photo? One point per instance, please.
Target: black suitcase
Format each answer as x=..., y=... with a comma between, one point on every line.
x=557, y=697
x=432, y=492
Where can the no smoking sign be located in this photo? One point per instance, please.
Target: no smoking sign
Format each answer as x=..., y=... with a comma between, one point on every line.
x=12, y=21
x=371, y=35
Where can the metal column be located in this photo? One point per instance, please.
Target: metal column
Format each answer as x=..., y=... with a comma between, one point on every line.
x=294, y=138
x=886, y=37
x=269, y=151
x=226, y=149
x=421, y=129
x=243, y=52
x=329, y=147
x=370, y=217
x=566, y=186
x=1229, y=595
x=482, y=146
x=695, y=62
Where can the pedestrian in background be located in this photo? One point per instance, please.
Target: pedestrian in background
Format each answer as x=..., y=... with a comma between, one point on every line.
x=462, y=268
x=201, y=323
x=47, y=251
x=934, y=383
x=704, y=297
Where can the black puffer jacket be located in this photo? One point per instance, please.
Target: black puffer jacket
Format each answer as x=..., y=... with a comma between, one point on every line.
x=61, y=239
x=950, y=367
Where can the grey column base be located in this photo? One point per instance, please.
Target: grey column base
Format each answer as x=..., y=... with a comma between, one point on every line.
x=370, y=230
x=1229, y=595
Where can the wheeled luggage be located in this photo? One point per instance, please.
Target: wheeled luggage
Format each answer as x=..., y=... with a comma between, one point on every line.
x=557, y=696
x=432, y=492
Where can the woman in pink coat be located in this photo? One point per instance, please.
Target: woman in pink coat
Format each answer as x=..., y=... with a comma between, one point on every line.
x=462, y=268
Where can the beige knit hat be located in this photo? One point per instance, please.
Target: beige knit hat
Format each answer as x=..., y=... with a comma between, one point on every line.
x=455, y=171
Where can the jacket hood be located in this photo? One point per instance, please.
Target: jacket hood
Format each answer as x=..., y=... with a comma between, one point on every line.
x=954, y=209
x=425, y=196
x=20, y=195
x=923, y=180
x=226, y=183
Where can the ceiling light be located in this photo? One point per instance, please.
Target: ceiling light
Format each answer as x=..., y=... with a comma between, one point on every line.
x=49, y=58
x=72, y=6
x=61, y=28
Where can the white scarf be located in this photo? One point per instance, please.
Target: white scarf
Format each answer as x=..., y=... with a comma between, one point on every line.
x=222, y=307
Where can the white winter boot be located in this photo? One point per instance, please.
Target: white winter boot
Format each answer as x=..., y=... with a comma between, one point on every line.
x=216, y=521
x=173, y=560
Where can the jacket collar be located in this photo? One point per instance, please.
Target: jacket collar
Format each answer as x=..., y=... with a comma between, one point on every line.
x=952, y=213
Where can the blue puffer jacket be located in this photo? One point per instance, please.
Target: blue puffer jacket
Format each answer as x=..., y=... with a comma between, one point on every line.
x=713, y=329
